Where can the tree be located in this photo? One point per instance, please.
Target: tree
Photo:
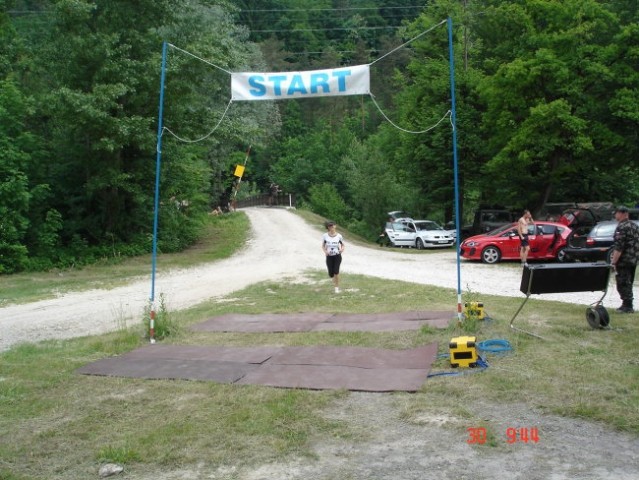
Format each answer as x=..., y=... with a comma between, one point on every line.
x=326, y=200
x=540, y=155
x=21, y=195
x=99, y=107
x=423, y=101
x=551, y=133
x=315, y=159
x=14, y=182
x=376, y=184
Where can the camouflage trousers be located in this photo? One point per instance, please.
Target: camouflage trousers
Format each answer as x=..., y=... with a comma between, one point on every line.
x=625, y=277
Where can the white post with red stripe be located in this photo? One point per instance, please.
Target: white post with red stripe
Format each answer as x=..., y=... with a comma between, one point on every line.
x=152, y=324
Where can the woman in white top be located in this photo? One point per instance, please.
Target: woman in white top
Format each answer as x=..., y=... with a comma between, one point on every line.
x=333, y=246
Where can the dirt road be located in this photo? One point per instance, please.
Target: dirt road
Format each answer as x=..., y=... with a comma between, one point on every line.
x=281, y=245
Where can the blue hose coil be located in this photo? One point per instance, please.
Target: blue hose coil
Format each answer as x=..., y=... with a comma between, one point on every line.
x=495, y=346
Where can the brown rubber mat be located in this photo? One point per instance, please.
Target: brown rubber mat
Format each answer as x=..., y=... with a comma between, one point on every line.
x=313, y=367
x=308, y=322
x=219, y=364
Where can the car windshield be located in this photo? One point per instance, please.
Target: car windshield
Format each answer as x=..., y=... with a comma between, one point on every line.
x=606, y=230
x=498, y=231
x=421, y=226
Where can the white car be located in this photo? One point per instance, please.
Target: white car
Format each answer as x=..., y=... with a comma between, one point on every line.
x=419, y=234
x=450, y=228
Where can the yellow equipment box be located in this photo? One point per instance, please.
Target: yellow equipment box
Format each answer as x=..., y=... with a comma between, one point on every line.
x=463, y=352
x=474, y=309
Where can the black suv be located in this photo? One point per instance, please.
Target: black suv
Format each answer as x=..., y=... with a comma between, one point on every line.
x=593, y=247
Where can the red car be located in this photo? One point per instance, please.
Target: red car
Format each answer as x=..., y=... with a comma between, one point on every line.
x=547, y=242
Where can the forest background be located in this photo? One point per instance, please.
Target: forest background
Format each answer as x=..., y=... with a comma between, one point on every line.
x=547, y=103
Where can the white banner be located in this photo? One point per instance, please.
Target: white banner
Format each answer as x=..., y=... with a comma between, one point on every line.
x=290, y=85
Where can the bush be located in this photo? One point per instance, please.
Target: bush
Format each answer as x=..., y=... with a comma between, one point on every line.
x=325, y=200
x=13, y=258
x=164, y=324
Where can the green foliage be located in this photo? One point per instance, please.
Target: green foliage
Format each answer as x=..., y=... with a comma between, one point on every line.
x=13, y=257
x=424, y=162
x=121, y=455
x=15, y=194
x=376, y=185
x=325, y=200
x=48, y=235
x=77, y=152
x=542, y=153
x=314, y=160
x=164, y=325
x=547, y=103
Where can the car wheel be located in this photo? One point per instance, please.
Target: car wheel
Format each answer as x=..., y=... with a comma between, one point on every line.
x=561, y=256
x=419, y=244
x=490, y=255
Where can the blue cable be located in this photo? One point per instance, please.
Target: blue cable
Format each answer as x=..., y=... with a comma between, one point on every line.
x=480, y=365
x=495, y=346
x=481, y=362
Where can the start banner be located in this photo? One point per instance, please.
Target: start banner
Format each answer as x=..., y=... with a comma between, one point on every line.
x=292, y=85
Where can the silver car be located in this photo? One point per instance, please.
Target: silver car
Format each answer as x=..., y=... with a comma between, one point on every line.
x=419, y=234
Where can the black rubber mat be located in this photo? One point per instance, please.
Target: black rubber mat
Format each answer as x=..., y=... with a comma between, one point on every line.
x=313, y=367
x=308, y=322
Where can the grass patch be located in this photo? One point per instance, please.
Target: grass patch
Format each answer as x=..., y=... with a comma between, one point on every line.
x=57, y=424
x=70, y=423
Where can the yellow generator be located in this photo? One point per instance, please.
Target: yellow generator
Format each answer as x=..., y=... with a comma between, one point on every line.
x=474, y=309
x=463, y=352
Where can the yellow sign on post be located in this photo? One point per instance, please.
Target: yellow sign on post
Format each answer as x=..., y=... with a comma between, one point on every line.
x=239, y=171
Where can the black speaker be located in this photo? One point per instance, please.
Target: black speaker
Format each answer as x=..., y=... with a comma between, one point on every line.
x=563, y=277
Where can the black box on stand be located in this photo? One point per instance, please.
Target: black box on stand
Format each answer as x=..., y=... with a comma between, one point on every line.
x=563, y=277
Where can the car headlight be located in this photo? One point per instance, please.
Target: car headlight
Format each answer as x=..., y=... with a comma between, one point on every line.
x=472, y=243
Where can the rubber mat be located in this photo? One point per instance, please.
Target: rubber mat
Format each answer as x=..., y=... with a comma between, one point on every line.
x=308, y=322
x=313, y=367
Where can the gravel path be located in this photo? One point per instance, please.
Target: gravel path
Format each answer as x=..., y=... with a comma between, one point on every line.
x=281, y=244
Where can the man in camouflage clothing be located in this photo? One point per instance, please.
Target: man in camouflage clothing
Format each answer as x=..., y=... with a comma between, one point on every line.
x=625, y=256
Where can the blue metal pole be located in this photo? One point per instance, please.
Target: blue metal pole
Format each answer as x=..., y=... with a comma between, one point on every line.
x=158, y=163
x=453, y=118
